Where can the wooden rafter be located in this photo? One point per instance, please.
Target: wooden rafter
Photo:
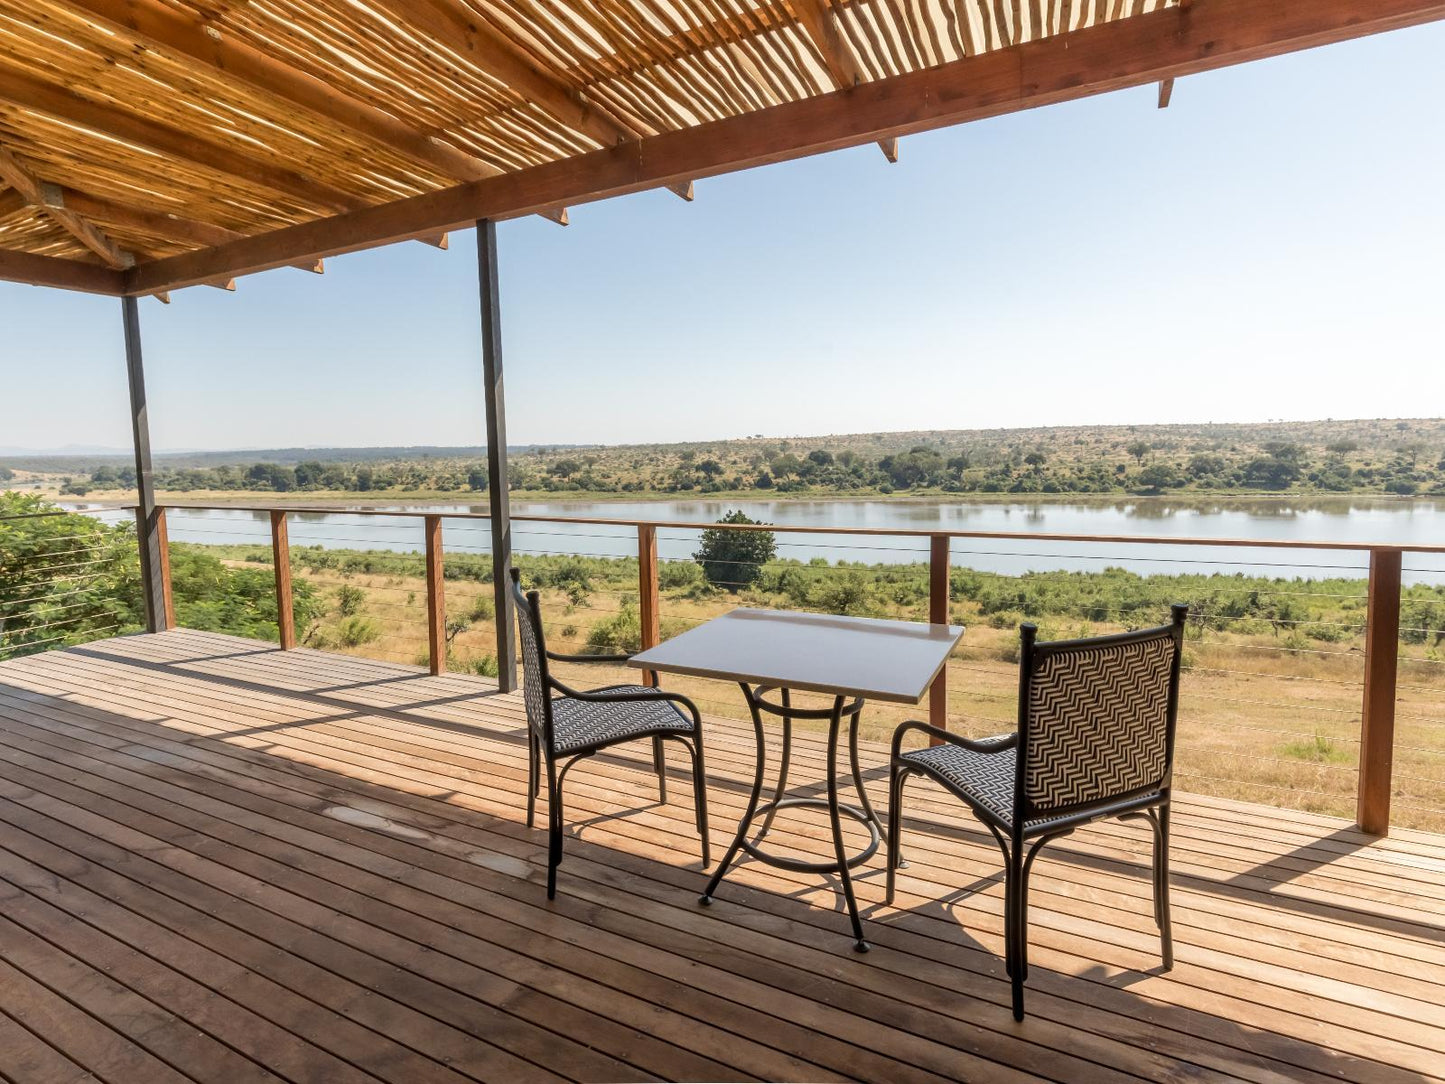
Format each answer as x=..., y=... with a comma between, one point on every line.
x=459, y=30
x=842, y=66
x=1166, y=91
x=11, y=201
x=165, y=28
x=66, y=104
x=36, y=193
x=1132, y=51
x=162, y=27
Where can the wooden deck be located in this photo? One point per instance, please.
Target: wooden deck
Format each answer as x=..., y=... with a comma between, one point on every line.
x=221, y=862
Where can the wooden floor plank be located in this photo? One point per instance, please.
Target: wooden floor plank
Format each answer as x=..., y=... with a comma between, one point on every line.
x=329, y=851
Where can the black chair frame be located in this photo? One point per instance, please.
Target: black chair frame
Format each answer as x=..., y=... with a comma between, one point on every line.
x=1018, y=839
x=541, y=744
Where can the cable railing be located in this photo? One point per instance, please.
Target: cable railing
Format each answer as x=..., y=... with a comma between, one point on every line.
x=66, y=578
x=1313, y=670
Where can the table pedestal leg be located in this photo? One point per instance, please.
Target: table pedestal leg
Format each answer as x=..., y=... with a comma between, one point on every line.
x=842, y=862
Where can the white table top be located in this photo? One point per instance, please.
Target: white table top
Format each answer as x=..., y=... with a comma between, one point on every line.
x=846, y=656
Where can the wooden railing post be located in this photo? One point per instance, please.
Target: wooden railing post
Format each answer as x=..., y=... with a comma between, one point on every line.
x=281, y=561
x=647, y=600
x=163, y=557
x=1377, y=725
x=938, y=546
x=436, y=597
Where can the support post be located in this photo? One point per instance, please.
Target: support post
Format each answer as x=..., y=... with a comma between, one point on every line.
x=938, y=556
x=281, y=563
x=1377, y=723
x=647, y=600
x=152, y=572
x=436, y=597
x=496, y=404
x=163, y=547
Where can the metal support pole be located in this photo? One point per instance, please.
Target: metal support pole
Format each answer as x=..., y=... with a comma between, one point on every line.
x=496, y=404
x=150, y=534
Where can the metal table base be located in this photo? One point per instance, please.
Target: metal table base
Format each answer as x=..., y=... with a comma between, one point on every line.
x=842, y=862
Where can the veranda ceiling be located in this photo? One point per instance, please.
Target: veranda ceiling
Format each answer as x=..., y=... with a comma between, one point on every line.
x=149, y=144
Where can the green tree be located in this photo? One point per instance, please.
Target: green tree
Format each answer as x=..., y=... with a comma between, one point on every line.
x=734, y=559
x=1139, y=449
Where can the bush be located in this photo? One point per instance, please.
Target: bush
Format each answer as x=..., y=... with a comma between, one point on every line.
x=735, y=559
x=355, y=631
x=622, y=632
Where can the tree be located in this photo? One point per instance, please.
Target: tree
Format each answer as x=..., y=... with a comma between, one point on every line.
x=734, y=559
x=1139, y=449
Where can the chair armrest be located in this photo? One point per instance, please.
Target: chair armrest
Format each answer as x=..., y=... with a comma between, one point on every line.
x=984, y=745
x=609, y=695
x=556, y=656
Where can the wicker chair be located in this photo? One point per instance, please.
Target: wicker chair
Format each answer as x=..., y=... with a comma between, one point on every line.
x=579, y=724
x=1095, y=739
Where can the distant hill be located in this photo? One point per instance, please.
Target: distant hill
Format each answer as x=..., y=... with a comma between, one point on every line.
x=1403, y=457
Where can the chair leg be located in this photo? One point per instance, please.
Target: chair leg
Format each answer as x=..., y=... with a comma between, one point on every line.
x=554, y=835
x=1014, y=932
x=1161, y=886
x=699, y=792
x=896, y=778
x=659, y=761
x=533, y=782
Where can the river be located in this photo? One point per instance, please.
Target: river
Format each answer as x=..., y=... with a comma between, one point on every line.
x=1364, y=520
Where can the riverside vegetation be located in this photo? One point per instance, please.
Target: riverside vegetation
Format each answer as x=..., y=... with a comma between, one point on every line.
x=1271, y=698
x=1399, y=457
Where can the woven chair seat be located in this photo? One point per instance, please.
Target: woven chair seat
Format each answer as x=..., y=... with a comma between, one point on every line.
x=986, y=779
x=581, y=724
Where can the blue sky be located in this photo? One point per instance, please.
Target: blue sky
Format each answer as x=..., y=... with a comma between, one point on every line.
x=1270, y=246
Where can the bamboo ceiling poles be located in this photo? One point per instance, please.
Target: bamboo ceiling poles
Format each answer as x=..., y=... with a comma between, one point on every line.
x=210, y=141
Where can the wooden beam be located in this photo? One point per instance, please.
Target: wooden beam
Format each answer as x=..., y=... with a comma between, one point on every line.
x=1130, y=52
x=11, y=201
x=461, y=31
x=842, y=66
x=15, y=173
x=436, y=598
x=683, y=191
x=90, y=278
x=64, y=103
x=1166, y=91
x=1377, y=720
x=161, y=224
x=281, y=566
x=158, y=26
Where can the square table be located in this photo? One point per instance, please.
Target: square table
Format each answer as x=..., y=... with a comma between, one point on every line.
x=853, y=659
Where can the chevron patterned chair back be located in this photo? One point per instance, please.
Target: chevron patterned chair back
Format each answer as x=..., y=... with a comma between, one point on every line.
x=1097, y=721
x=564, y=729
x=1095, y=739
x=534, y=662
